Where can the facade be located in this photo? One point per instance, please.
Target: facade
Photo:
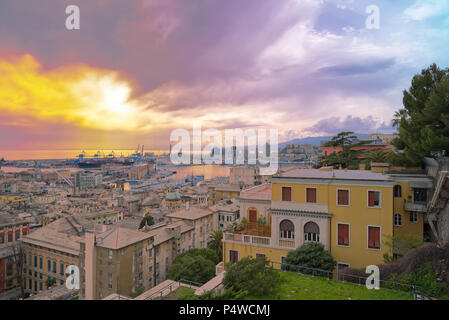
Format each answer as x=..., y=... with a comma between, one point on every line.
x=228, y=212
x=49, y=250
x=85, y=180
x=203, y=221
x=121, y=260
x=245, y=175
x=13, y=228
x=9, y=266
x=220, y=192
x=349, y=212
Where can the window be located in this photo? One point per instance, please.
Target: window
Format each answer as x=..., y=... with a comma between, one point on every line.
x=373, y=199
x=419, y=196
x=286, y=194
x=35, y=261
x=48, y=265
x=2, y=238
x=343, y=197
x=397, y=220
x=10, y=237
x=233, y=256
x=373, y=237
x=287, y=229
x=260, y=256
x=311, y=195
x=414, y=217
x=61, y=269
x=397, y=191
x=40, y=263
x=54, y=266
x=343, y=234
x=311, y=232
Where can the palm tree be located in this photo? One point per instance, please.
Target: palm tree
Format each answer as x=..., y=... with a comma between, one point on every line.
x=216, y=243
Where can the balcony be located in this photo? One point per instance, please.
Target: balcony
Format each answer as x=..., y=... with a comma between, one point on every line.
x=247, y=239
x=415, y=206
x=286, y=243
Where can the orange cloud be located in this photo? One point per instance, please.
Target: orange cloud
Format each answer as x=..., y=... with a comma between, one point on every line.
x=76, y=94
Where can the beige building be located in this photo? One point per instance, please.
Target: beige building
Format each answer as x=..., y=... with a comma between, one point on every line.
x=203, y=221
x=49, y=250
x=218, y=192
x=123, y=260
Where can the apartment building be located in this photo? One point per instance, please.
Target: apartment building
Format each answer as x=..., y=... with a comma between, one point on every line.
x=13, y=227
x=9, y=266
x=228, y=212
x=121, y=260
x=203, y=221
x=219, y=192
x=48, y=251
x=349, y=212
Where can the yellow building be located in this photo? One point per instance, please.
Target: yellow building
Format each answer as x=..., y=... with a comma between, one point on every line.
x=350, y=212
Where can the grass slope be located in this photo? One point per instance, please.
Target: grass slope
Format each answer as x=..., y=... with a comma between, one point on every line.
x=298, y=287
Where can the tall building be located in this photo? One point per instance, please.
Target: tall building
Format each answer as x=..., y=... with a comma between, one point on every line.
x=49, y=250
x=123, y=260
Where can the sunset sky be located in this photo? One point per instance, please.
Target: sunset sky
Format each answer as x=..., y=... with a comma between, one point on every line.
x=138, y=69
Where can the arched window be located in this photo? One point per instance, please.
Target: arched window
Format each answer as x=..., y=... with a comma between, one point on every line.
x=287, y=229
x=311, y=232
x=397, y=191
x=397, y=219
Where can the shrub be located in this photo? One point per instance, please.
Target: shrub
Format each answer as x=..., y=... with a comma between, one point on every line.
x=250, y=276
x=196, y=265
x=311, y=255
x=426, y=267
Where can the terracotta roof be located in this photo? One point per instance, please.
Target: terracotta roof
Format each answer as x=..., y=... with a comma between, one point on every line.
x=193, y=213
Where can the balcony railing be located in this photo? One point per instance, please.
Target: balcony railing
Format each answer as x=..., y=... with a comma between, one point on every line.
x=286, y=243
x=237, y=237
x=415, y=206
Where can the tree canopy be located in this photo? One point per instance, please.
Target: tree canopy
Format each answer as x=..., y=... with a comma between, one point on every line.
x=251, y=276
x=310, y=255
x=216, y=243
x=147, y=220
x=197, y=265
x=347, y=157
x=423, y=122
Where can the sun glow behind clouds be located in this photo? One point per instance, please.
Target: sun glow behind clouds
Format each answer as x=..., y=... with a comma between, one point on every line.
x=78, y=94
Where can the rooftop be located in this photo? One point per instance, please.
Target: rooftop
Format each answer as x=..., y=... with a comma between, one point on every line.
x=192, y=213
x=260, y=192
x=336, y=174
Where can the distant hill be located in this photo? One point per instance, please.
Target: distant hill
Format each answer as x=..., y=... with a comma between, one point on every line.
x=314, y=140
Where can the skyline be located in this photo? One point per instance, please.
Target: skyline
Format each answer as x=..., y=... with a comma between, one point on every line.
x=135, y=71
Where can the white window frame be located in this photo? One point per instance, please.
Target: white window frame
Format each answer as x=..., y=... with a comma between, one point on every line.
x=367, y=238
x=394, y=220
x=415, y=214
x=340, y=245
x=380, y=199
x=349, y=197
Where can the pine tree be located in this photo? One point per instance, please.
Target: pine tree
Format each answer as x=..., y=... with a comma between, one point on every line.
x=423, y=123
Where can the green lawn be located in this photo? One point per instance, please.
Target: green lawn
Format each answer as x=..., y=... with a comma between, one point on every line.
x=297, y=287
x=180, y=294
